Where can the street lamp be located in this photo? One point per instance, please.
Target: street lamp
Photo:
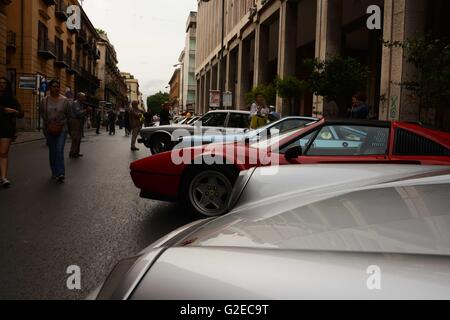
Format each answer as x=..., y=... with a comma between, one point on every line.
x=221, y=83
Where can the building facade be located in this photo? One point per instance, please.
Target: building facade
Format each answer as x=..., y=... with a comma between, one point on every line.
x=133, y=89
x=266, y=39
x=3, y=35
x=39, y=47
x=175, y=91
x=188, y=94
x=113, y=88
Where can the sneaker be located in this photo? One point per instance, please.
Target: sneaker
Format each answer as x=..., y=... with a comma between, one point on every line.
x=61, y=179
x=6, y=183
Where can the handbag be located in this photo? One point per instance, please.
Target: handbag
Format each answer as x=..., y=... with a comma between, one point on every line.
x=53, y=129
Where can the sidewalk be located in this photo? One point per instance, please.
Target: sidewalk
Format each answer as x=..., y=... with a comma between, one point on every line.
x=28, y=136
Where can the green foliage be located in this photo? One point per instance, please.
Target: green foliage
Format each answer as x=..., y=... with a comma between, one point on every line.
x=290, y=87
x=431, y=58
x=337, y=78
x=155, y=102
x=268, y=91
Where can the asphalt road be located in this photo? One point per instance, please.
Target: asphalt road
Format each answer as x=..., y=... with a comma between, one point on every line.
x=92, y=221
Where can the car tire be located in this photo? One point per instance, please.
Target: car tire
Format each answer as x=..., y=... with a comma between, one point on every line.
x=161, y=143
x=206, y=190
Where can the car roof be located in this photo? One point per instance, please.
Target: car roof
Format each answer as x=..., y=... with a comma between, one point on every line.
x=229, y=111
x=345, y=208
x=355, y=122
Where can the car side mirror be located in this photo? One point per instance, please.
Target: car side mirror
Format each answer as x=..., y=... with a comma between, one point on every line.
x=293, y=153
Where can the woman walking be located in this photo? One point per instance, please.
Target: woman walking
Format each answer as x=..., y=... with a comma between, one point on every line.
x=10, y=110
x=56, y=113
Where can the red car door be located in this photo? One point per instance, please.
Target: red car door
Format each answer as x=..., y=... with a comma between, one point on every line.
x=336, y=143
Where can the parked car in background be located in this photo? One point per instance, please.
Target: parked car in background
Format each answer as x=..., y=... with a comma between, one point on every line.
x=159, y=139
x=205, y=189
x=280, y=127
x=312, y=232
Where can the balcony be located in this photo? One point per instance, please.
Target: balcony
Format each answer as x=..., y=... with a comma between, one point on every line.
x=92, y=79
x=62, y=61
x=46, y=49
x=113, y=87
x=82, y=36
x=50, y=2
x=11, y=40
x=74, y=68
x=61, y=11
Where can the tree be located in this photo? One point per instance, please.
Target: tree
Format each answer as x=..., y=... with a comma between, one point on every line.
x=156, y=101
x=290, y=88
x=337, y=78
x=431, y=59
x=268, y=91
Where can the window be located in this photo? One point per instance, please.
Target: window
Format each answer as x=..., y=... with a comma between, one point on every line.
x=214, y=120
x=291, y=124
x=59, y=45
x=69, y=55
x=343, y=140
x=410, y=144
x=303, y=142
x=42, y=36
x=239, y=121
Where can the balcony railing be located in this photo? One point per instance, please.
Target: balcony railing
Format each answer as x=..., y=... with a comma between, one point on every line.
x=61, y=10
x=11, y=40
x=46, y=49
x=90, y=78
x=82, y=36
x=62, y=60
x=74, y=68
x=50, y=2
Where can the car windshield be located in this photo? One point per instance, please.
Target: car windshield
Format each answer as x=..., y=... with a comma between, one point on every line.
x=277, y=131
x=273, y=141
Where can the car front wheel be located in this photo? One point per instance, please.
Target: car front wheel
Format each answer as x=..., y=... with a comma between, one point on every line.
x=206, y=193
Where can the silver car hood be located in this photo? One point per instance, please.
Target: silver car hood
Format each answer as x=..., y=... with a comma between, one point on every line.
x=339, y=208
x=263, y=274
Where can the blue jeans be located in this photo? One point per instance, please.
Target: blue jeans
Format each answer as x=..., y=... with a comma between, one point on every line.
x=56, y=147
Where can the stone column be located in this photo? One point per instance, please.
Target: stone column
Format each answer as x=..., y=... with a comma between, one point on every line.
x=261, y=54
x=242, y=73
x=199, y=103
x=207, y=88
x=287, y=46
x=403, y=19
x=328, y=37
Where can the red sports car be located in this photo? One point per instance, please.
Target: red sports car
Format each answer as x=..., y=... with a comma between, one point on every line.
x=202, y=177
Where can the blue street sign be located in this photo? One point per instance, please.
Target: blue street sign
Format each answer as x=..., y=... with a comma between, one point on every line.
x=43, y=87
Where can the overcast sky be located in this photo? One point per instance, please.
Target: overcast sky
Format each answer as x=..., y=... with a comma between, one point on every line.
x=148, y=36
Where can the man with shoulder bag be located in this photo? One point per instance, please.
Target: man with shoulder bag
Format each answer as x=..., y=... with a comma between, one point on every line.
x=56, y=113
